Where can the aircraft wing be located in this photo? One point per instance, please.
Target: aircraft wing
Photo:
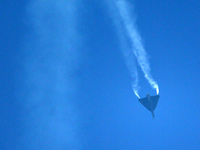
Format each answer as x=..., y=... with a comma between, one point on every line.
x=150, y=103
x=145, y=103
x=154, y=101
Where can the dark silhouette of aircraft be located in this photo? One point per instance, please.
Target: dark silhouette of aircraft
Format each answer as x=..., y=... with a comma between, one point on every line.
x=150, y=103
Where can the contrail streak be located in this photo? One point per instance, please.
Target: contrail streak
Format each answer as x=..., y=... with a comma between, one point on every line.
x=51, y=59
x=129, y=24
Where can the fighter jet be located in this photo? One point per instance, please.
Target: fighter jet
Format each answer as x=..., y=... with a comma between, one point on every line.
x=150, y=103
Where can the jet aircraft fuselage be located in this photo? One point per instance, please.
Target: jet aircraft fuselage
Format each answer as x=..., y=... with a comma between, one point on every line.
x=150, y=103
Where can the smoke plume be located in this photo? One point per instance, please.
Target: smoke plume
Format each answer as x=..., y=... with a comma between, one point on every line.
x=126, y=22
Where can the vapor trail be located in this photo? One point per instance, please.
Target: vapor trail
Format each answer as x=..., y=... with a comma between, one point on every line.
x=135, y=38
x=51, y=57
x=129, y=24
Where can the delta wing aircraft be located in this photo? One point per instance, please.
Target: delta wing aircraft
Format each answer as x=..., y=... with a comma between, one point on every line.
x=150, y=103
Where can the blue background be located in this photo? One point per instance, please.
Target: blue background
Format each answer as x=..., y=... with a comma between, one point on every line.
x=89, y=104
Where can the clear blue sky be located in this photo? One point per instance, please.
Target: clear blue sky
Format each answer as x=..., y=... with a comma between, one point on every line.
x=65, y=84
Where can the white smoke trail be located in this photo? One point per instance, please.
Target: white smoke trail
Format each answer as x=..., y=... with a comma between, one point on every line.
x=129, y=24
x=125, y=48
x=131, y=65
x=134, y=35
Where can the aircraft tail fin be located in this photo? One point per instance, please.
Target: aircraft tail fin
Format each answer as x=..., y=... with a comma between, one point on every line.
x=153, y=115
